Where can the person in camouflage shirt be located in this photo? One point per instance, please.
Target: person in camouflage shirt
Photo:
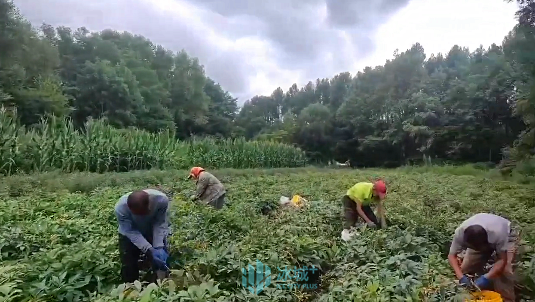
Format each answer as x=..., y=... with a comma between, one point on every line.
x=209, y=190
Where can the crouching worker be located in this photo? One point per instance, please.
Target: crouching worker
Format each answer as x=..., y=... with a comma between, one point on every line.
x=143, y=228
x=486, y=237
x=357, y=203
x=209, y=189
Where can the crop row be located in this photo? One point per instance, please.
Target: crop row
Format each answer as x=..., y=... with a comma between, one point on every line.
x=58, y=236
x=55, y=144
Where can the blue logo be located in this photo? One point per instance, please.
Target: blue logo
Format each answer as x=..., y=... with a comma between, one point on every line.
x=298, y=276
x=256, y=279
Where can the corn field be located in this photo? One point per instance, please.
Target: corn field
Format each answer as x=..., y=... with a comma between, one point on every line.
x=55, y=144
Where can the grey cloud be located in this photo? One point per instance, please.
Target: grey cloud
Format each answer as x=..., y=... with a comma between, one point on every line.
x=292, y=27
x=139, y=18
x=287, y=24
x=363, y=13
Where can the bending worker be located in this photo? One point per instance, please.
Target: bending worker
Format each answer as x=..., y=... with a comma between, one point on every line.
x=357, y=203
x=209, y=189
x=482, y=235
x=143, y=229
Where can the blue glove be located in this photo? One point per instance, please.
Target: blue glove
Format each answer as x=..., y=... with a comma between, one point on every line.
x=159, y=257
x=464, y=281
x=162, y=254
x=483, y=282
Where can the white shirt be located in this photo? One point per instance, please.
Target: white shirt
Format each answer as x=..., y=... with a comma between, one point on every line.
x=497, y=228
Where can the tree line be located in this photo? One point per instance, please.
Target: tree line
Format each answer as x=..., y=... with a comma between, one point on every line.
x=460, y=106
x=120, y=77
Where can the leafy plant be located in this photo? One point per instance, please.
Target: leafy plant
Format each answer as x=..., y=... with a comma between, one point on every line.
x=60, y=244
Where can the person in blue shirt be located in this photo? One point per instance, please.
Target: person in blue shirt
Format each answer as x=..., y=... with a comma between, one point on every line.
x=143, y=228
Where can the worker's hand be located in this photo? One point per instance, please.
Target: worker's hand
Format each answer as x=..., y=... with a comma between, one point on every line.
x=371, y=224
x=159, y=257
x=464, y=281
x=162, y=254
x=483, y=282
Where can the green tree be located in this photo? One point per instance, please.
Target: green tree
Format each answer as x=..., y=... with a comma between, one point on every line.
x=28, y=62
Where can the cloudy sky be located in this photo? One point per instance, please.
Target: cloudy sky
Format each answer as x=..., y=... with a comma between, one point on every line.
x=252, y=47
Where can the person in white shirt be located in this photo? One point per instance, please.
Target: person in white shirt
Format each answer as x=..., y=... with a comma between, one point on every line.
x=484, y=236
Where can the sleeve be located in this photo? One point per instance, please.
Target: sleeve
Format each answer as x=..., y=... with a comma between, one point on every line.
x=360, y=195
x=353, y=194
x=202, y=184
x=457, y=243
x=502, y=244
x=125, y=228
x=161, y=225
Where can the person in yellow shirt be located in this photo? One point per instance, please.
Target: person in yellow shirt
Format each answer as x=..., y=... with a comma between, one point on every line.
x=358, y=200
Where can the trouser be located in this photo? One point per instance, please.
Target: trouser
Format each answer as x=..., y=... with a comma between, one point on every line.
x=351, y=214
x=218, y=203
x=474, y=263
x=130, y=256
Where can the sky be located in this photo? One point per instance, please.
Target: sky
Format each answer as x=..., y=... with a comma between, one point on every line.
x=251, y=47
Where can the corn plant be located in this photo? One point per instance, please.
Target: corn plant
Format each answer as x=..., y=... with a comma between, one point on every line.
x=55, y=144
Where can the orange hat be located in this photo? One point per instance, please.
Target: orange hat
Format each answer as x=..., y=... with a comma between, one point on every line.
x=380, y=188
x=194, y=172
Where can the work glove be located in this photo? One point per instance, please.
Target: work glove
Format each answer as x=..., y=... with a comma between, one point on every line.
x=464, y=281
x=192, y=197
x=162, y=254
x=483, y=282
x=371, y=225
x=159, y=257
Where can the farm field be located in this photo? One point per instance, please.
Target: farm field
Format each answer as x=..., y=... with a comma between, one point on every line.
x=58, y=235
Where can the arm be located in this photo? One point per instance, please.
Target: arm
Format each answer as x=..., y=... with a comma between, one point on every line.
x=452, y=259
x=455, y=248
x=498, y=267
x=161, y=225
x=202, y=184
x=125, y=228
x=381, y=212
x=361, y=212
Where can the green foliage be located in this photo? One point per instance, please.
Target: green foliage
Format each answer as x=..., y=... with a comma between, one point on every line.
x=454, y=106
x=56, y=144
x=58, y=236
x=459, y=106
x=121, y=77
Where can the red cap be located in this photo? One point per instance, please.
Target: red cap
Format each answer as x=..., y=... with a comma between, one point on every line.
x=380, y=188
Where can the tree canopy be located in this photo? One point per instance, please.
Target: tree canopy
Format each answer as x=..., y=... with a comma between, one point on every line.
x=463, y=105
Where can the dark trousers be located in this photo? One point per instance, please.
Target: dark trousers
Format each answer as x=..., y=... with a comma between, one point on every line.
x=218, y=203
x=351, y=215
x=130, y=256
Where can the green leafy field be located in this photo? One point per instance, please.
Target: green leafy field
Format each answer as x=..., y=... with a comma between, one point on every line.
x=58, y=239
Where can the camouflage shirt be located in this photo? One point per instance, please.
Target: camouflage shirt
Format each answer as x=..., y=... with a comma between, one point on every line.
x=209, y=188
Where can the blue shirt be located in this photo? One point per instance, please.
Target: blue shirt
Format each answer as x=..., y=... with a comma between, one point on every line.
x=138, y=228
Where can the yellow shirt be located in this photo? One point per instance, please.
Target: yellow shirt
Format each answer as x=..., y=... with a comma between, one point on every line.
x=362, y=192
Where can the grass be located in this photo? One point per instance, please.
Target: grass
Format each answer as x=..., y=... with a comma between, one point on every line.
x=523, y=173
x=58, y=235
